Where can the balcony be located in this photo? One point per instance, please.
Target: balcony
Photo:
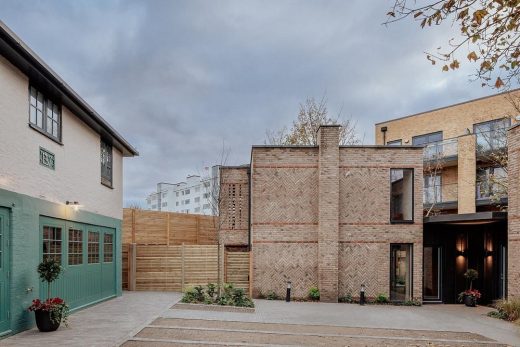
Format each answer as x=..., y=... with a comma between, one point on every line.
x=491, y=145
x=441, y=154
x=440, y=196
x=491, y=191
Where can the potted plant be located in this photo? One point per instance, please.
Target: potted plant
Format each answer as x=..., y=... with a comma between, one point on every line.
x=49, y=313
x=470, y=296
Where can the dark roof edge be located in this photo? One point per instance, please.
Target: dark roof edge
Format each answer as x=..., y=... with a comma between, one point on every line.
x=24, y=52
x=466, y=217
x=383, y=147
x=244, y=166
x=283, y=146
x=445, y=107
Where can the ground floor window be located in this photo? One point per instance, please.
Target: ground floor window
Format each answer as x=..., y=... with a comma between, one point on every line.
x=93, y=247
x=75, y=247
x=108, y=248
x=400, y=272
x=52, y=243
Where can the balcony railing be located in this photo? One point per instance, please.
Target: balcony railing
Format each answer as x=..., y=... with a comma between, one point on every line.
x=440, y=194
x=492, y=189
x=441, y=150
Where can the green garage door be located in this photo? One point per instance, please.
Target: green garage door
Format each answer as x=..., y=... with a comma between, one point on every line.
x=4, y=270
x=87, y=253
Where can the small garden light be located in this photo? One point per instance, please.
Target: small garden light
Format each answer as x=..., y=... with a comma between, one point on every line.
x=362, y=295
x=288, y=294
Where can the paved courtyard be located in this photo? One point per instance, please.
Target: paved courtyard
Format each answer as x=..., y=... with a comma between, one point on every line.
x=147, y=319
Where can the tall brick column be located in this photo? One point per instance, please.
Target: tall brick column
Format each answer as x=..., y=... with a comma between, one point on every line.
x=328, y=192
x=513, y=213
x=467, y=175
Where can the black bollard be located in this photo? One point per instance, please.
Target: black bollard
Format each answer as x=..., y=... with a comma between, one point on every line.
x=288, y=294
x=362, y=295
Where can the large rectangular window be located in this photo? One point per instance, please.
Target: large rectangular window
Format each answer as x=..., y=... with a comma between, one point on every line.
x=401, y=195
x=52, y=243
x=75, y=247
x=108, y=248
x=423, y=140
x=93, y=247
x=400, y=272
x=44, y=115
x=491, y=135
x=106, y=163
x=432, y=189
x=395, y=143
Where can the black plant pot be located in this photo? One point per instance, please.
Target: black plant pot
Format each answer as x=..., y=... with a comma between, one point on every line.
x=470, y=301
x=44, y=321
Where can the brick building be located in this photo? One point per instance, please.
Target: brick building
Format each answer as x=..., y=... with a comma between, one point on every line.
x=330, y=216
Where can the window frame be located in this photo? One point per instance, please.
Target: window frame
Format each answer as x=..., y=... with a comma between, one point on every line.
x=398, y=142
x=104, y=145
x=105, y=234
x=410, y=269
x=80, y=242
x=43, y=129
x=95, y=232
x=398, y=221
x=427, y=134
x=49, y=240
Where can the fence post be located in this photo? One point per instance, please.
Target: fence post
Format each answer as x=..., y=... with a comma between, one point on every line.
x=220, y=251
x=250, y=277
x=133, y=225
x=132, y=266
x=168, y=229
x=182, y=267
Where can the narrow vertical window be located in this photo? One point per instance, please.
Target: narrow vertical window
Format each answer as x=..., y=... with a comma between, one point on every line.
x=108, y=248
x=52, y=243
x=106, y=164
x=75, y=247
x=401, y=195
x=93, y=247
x=400, y=272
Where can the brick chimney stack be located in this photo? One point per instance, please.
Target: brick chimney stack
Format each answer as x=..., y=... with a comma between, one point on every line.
x=328, y=205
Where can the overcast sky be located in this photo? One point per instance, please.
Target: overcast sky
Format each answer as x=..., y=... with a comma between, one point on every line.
x=179, y=78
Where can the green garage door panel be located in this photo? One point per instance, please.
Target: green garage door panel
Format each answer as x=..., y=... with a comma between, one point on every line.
x=4, y=270
x=87, y=278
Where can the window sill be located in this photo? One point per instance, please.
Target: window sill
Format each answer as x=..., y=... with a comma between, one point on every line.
x=107, y=185
x=401, y=222
x=35, y=128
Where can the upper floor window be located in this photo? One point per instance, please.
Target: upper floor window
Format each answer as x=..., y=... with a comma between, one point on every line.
x=492, y=135
x=106, y=164
x=395, y=143
x=425, y=139
x=187, y=191
x=44, y=115
x=401, y=195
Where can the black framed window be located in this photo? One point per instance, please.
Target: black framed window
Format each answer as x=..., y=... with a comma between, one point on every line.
x=401, y=195
x=422, y=140
x=492, y=135
x=52, y=243
x=395, y=143
x=106, y=163
x=44, y=115
x=93, y=247
x=108, y=248
x=401, y=272
x=75, y=247
x=432, y=189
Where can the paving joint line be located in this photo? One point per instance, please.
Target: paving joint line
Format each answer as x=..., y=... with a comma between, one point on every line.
x=272, y=332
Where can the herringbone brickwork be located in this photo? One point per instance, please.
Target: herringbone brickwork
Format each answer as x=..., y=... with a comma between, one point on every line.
x=234, y=205
x=513, y=171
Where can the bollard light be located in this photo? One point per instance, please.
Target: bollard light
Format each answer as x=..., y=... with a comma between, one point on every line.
x=288, y=294
x=362, y=295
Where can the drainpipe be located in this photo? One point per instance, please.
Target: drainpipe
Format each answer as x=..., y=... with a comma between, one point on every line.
x=383, y=130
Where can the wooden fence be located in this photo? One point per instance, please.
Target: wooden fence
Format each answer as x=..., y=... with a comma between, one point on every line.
x=168, y=228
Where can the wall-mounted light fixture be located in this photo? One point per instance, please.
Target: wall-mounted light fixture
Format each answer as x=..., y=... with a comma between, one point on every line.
x=74, y=204
x=461, y=244
x=488, y=245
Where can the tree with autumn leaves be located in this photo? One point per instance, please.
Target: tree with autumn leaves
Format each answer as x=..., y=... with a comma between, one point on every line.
x=489, y=35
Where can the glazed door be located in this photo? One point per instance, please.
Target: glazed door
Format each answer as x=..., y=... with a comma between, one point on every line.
x=4, y=270
x=432, y=272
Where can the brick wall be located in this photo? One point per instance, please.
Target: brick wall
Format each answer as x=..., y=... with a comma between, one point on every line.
x=513, y=278
x=234, y=205
x=320, y=216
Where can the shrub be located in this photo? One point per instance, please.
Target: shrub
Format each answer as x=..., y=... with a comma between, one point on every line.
x=381, y=298
x=497, y=314
x=212, y=290
x=199, y=293
x=510, y=309
x=271, y=295
x=347, y=299
x=471, y=275
x=314, y=293
x=190, y=296
x=411, y=303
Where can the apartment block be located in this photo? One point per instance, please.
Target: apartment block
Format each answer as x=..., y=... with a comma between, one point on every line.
x=197, y=195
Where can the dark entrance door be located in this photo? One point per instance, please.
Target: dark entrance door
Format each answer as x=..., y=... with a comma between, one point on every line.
x=432, y=282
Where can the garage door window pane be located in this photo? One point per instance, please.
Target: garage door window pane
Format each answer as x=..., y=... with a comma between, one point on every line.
x=93, y=247
x=75, y=247
x=52, y=243
x=108, y=248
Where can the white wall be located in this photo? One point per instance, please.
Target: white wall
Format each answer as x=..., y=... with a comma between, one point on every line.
x=77, y=176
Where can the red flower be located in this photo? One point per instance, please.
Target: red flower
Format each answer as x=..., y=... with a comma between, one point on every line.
x=47, y=305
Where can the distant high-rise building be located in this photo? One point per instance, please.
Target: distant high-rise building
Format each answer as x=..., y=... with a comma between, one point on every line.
x=197, y=195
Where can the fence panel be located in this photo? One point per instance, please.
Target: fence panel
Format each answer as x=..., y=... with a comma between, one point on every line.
x=237, y=269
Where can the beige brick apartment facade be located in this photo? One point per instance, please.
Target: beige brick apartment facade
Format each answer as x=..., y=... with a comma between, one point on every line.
x=320, y=216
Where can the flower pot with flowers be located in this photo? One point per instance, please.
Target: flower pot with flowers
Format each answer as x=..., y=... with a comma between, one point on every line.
x=470, y=296
x=49, y=313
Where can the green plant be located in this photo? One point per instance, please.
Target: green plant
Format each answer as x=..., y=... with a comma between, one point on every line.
x=497, y=314
x=199, y=293
x=381, y=298
x=314, y=293
x=411, y=303
x=49, y=270
x=347, y=299
x=471, y=275
x=510, y=309
x=212, y=290
x=189, y=296
x=271, y=295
